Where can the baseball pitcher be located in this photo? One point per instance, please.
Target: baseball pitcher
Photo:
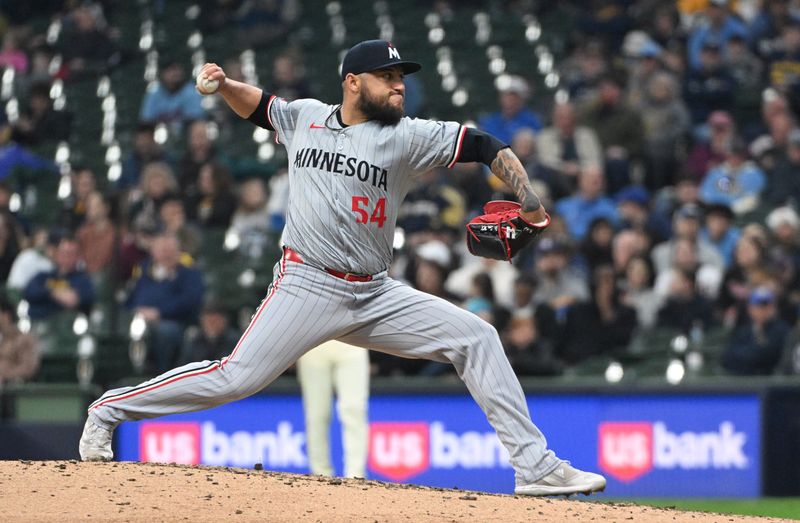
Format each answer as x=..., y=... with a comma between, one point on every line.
x=350, y=166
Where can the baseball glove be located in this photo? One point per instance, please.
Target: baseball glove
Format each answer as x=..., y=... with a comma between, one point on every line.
x=501, y=233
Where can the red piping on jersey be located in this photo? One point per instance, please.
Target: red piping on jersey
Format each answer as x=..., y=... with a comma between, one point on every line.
x=460, y=139
x=269, y=118
x=200, y=372
x=226, y=359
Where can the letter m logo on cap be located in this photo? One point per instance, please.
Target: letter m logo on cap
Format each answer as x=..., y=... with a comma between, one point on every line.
x=398, y=450
x=393, y=53
x=625, y=450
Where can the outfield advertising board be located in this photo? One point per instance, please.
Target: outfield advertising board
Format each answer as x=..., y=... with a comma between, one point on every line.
x=648, y=445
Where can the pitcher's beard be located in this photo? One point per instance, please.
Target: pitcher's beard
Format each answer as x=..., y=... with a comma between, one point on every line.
x=382, y=112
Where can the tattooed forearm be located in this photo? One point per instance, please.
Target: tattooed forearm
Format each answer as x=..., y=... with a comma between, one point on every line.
x=508, y=168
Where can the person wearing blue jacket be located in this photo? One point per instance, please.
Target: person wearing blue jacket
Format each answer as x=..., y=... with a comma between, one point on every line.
x=168, y=295
x=65, y=288
x=737, y=182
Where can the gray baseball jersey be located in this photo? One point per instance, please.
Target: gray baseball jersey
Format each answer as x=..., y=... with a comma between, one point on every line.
x=347, y=182
x=346, y=185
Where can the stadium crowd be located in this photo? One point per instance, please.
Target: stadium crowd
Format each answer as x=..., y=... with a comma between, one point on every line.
x=669, y=158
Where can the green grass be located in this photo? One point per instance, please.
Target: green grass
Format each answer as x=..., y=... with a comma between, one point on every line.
x=771, y=507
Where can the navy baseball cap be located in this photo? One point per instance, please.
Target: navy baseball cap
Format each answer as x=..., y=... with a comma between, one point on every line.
x=372, y=55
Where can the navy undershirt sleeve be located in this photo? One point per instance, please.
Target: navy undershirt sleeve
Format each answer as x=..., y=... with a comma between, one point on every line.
x=260, y=116
x=479, y=146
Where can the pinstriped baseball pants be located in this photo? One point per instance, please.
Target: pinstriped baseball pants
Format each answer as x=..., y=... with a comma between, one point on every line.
x=305, y=307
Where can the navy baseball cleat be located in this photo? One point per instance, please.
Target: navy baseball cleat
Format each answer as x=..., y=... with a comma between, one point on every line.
x=95, y=443
x=563, y=481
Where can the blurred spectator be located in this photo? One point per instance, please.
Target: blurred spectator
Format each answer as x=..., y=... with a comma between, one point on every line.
x=144, y=150
x=168, y=295
x=784, y=223
x=587, y=204
x=524, y=146
x=633, y=208
x=560, y=286
x=432, y=206
x=666, y=125
x=784, y=182
x=710, y=86
x=172, y=219
x=747, y=70
x=767, y=27
x=12, y=54
x=626, y=245
x=755, y=348
x=501, y=274
x=665, y=25
x=637, y=291
x=528, y=351
x=719, y=25
x=157, y=185
x=545, y=320
x=33, y=260
x=10, y=244
x=173, y=100
x=85, y=43
x=737, y=182
x=607, y=20
x=668, y=200
x=250, y=222
x=708, y=276
x=720, y=232
x=134, y=248
x=643, y=66
x=598, y=326
x=65, y=288
x=288, y=78
x=582, y=71
x=264, y=22
x=42, y=66
x=568, y=149
x=524, y=288
x=200, y=150
x=480, y=300
x=513, y=116
x=212, y=340
x=784, y=63
x=214, y=203
x=39, y=122
x=472, y=182
x=595, y=248
x=83, y=184
x=684, y=307
x=433, y=262
x=686, y=225
x=97, y=236
x=705, y=155
x=19, y=353
x=749, y=258
x=777, y=121
x=619, y=129
x=278, y=199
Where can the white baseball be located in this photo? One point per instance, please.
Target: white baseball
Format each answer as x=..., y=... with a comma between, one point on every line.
x=206, y=86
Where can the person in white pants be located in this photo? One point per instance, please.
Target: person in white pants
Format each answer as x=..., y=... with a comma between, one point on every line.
x=335, y=367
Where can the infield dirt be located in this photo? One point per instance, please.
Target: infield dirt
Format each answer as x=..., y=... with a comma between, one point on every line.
x=74, y=491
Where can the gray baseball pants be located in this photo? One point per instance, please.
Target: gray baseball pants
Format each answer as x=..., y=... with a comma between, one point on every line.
x=306, y=306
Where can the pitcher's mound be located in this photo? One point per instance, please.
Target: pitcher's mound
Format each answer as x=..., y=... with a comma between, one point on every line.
x=74, y=491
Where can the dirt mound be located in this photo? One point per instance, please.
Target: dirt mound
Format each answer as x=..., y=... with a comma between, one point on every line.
x=74, y=491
